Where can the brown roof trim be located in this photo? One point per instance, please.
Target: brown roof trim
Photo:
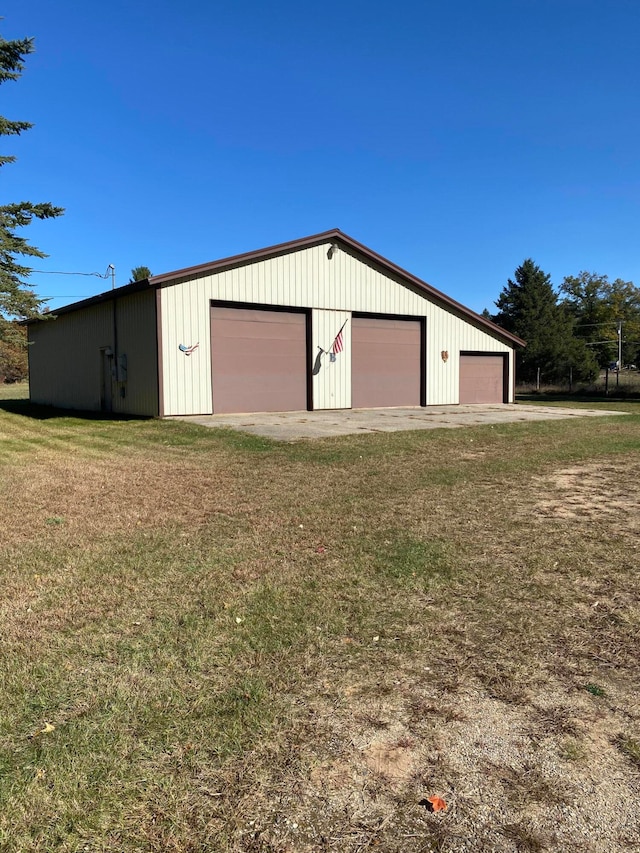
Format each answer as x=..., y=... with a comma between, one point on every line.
x=432, y=291
x=248, y=257
x=335, y=235
x=134, y=287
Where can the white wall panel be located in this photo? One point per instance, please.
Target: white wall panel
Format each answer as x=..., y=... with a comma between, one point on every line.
x=332, y=384
x=307, y=278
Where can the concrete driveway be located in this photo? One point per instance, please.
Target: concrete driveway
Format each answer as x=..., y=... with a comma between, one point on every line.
x=291, y=426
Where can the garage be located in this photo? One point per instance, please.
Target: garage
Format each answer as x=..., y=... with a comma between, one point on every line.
x=256, y=332
x=386, y=362
x=482, y=378
x=258, y=359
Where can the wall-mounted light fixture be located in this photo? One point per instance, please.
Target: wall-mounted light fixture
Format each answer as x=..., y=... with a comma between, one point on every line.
x=332, y=248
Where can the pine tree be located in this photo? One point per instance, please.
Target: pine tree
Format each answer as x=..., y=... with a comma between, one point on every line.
x=529, y=308
x=139, y=274
x=17, y=300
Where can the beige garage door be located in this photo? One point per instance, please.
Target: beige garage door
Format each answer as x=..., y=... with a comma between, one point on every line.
x=385, y=362
x=482, y=378
x=258, y=360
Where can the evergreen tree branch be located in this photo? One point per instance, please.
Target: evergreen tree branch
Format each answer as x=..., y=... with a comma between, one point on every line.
x=17, y=300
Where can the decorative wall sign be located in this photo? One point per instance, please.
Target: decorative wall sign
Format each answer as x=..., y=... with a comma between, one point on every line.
x=336, y=347
x=444, y=355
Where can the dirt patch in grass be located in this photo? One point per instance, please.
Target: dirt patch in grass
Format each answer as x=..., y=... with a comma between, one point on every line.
x=607, y=491
x=250, y=648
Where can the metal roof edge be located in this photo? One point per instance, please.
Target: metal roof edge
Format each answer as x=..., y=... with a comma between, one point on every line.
x=430, y=290
x=334, y=235
x=337, y=236
x=247, y=257
x=124, y=290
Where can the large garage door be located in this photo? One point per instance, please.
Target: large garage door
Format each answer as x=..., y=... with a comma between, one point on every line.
x=385, y=362
x=482, y=378
x=258, y=360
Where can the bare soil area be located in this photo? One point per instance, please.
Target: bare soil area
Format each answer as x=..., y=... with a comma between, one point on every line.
x=216, y=642
x=607, y=491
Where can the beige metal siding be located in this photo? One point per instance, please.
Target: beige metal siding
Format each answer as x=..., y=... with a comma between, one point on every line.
x=136, y=318
x=331, y=380
x=66, y=356
x=308, y=279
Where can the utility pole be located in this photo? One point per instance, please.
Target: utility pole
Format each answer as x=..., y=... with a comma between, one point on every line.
x=619, y=353
x=619, y=344
x=112, y=271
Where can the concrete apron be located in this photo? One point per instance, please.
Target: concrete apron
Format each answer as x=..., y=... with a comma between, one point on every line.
x=292, y=426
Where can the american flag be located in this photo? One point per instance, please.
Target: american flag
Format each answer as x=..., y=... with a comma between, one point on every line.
x=338, y=344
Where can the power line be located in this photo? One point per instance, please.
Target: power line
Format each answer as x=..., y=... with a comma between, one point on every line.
x=58, y=272
x=110, y=271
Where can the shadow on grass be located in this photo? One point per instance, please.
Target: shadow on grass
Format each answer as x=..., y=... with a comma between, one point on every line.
x=39, y=412
x=170, y=431
x=566, y=397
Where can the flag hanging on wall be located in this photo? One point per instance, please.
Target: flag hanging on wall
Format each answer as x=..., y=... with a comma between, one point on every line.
x=338, y=344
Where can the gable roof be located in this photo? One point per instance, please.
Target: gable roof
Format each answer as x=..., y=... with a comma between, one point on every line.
x=339, y=237
x=332, y=236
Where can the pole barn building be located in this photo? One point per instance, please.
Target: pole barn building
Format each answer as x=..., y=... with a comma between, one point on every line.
x=317, y=323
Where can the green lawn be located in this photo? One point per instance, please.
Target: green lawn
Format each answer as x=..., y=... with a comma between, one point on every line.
x=214, y=642
x=15, y=391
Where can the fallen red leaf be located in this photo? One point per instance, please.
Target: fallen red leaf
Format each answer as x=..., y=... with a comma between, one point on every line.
x=438, y=803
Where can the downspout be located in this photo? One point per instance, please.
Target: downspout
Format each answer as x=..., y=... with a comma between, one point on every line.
x=116, y=366
x=159, y=365
x=115, y=340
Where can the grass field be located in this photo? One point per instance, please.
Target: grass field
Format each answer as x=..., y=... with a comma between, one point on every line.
x=213, y=642
x=624, y=385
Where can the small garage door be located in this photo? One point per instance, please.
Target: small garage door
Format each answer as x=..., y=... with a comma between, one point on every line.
x=482, y=378
x=258, y=360
x=385, y=362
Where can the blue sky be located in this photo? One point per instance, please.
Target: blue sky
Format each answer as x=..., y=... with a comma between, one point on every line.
x=454, y=138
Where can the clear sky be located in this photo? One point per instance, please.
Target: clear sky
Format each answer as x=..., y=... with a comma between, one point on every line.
x=454, y=138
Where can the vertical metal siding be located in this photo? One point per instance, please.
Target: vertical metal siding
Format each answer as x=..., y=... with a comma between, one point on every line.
x=65, y=360
x=332, y=384
x=308, y=279
x=136, y=318
x=65, y=356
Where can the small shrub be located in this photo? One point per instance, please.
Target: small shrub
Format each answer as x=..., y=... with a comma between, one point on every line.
x=629, y=747
x=595, y=690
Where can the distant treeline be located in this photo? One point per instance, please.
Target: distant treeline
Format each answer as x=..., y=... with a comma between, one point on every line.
x=574, y=330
